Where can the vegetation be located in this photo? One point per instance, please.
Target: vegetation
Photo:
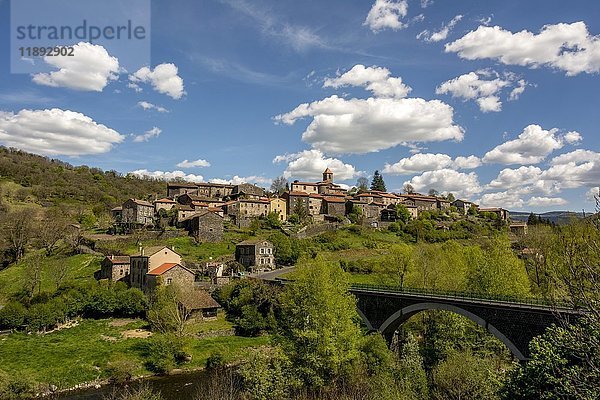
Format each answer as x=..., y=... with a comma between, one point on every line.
x=377, y=183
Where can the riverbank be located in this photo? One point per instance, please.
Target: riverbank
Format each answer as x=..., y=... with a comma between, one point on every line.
x=82, y=353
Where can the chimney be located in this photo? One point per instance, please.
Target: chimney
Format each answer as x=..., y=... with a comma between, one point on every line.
x=141, y=251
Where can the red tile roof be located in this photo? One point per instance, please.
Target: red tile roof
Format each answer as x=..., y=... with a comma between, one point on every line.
x=165, y=200
x=335, y=199
x=162, y=269
x=298, y=194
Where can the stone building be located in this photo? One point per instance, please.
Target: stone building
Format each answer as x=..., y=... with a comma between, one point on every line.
x=247, y=209
x=175, y=189
x=463, y=206
x=147, y=260
x=315, y=204
x=200, y=305
x=324, y=187
x=279, y=206
x=247, y=191
x=255, y=254
x=205, y=226
x=115, y=268
x=502, y=214
x=168, y=274
x=137, y=212
x=334, y=205
x=184, y=211
x=295, y=200
x=214, y=190
x=423, y=203
x=164, y=204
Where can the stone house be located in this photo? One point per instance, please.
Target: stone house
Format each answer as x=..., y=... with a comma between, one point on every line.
x=147, y=260
x=502, y=214
x=334, y=205
x=296, y=199
x=442, y=204
x=255, y=254
x=117, y=213
x=214, y=190
x=205, y=226
x=518, y=228
x=315, y=204
x=115, y=268
x=200, y=305
x=463, y=206
x=279, y=206
x=168, y=274
x=246, y=209
x=324, y=187
x=175, y=189
x=423, y=203
x=387, y=198
x=138, y=212
x=164, y=204
x=369, y=197
x=247, y=191
x=184, y=211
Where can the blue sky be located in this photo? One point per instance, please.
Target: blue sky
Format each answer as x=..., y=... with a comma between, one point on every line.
x=495, y=101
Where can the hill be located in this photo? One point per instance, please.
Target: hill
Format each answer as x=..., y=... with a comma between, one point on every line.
x=49, y=181
x=557, y=217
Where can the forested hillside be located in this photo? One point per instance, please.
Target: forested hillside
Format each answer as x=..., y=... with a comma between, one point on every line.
x=46, y=181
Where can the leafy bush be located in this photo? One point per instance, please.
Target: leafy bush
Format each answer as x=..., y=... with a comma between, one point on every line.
x=121, y=370
x=17, y=387
x=12, y=316
x=163, y=352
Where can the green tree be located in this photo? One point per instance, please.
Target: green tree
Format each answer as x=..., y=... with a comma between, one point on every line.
x=355, y=215
x=396, y=265
x=450, y=197
x=318, y=330
x=377, y=183
x=279, y=185
x=362, y=184
x=412, y=373
x=12, y=316
x=408, y=188
x=463, y=376
x=402, y=213
x=268, y=375
x=565, y=364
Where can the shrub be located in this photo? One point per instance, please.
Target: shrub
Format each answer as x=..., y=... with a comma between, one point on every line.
x=121, y=370
x=163, y=352
x=16, y=387
x=12, y=316
x=43, y=316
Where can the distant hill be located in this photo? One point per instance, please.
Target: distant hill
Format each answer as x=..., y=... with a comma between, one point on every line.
x=48, y=181
x=557, y=217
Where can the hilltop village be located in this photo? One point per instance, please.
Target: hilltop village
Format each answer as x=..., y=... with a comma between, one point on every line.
x=201, y=208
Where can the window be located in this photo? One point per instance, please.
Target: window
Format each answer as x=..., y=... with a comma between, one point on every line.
x=262, y=251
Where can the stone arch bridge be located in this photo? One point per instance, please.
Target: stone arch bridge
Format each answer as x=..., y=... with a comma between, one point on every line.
x=513, y=322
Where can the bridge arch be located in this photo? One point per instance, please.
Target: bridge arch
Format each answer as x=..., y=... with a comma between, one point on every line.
x=392, y=323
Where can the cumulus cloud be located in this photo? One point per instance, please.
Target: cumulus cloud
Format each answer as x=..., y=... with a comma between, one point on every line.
x=200, y=163
x=532, y=146
x=428, y=162
x=56, y=132
x=163, y=78
x=152, y=133
x=149, y=106
x=167, y=175
x=475, y=86
x=567, y=47
x=378, y=80
x=89, y=69
x=310, y=164
x=575, y=169
x=447, y=181
x=339, y=126
x=387, y=14
x=546, y=201
x=501, y=199
x=442, y=34
x=236, y=180
x=593, y=194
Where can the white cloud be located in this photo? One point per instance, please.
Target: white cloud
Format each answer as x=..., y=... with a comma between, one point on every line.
x=163, y=78
x=135, y=87
x=56, y=132
x=447, y=181
x=575, y=169
x=442, y=34
x=426, y=3
x=518, y=90
x=428, y=162
x=236, y=180
x=152, y=133
x=375, y=79
x=387, y=14
x=167, y=175
x=469, y=162
x=531, y=147
x=90, y=68
x=418, y=163
x=474, y=86
x=592, y=194
x=567, y=47
x=546, y=201
x=513, y=178
x=149, y=106
x=200, y=163
x=501, y=199
x=310, y=164
x=340, y=126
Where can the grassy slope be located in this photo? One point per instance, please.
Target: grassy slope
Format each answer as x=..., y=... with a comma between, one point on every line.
x=81, y=353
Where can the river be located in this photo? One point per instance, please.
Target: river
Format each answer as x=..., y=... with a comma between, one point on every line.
x=172, y=387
